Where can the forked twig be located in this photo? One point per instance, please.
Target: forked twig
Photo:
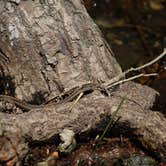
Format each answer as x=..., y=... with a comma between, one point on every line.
x=122, y=75
x=130, y=78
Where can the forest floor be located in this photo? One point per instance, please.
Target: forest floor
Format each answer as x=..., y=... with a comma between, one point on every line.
x=136, y=34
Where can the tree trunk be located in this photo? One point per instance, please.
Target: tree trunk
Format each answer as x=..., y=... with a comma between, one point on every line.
x=48, y=47
x=52, y=47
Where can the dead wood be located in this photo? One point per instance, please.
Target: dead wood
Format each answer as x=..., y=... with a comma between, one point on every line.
x=48, y=48
x=137, y=119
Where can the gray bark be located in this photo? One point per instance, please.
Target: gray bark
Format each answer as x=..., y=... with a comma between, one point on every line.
x=52, y=47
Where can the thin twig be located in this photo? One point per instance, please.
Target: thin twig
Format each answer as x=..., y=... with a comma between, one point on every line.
x=77, y=99
x=149, y=63
x=131, y=78
x=120, y=76
x=112, y=118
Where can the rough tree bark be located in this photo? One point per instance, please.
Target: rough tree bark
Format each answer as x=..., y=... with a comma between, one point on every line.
x=47, y=47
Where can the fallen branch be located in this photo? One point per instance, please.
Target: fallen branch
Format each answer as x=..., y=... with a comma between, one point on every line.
x=42, y=124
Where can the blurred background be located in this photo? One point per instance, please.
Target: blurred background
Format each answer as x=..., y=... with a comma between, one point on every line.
x=135, y=30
